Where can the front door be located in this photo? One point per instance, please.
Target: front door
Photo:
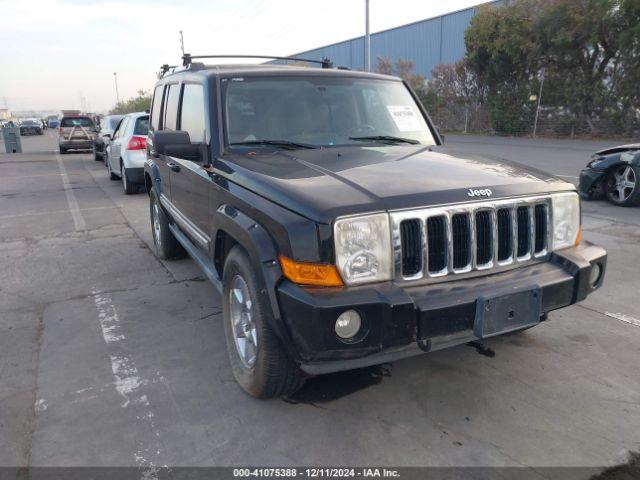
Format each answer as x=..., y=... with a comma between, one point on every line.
x=191, y=184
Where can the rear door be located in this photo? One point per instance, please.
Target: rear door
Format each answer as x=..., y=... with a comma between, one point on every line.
x=191, y=184
x=167, y=119
x=115, y=145
x=77, y=129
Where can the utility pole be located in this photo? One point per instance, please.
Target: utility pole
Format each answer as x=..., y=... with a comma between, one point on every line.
x=181, y=43
x=535, y=122
x=367, y=41
x=115, y=79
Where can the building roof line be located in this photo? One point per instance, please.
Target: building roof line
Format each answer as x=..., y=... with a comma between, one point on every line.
x=473, y=7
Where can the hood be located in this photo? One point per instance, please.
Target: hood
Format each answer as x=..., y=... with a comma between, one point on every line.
x=618, y=149
x=322, y=184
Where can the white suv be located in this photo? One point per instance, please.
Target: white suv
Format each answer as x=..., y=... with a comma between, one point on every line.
x=127, y=151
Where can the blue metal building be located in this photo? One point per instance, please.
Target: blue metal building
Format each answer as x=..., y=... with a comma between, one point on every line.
x=426, y=42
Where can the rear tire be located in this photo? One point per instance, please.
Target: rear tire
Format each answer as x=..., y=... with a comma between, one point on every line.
x=127, y=186
x=165, y=245
x=622, y=185
x=96, y=156
x=63, y=151
x=258, y=362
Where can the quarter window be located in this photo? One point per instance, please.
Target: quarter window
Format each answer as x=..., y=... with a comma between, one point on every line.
x=155, y=110
x=171, y=108
x=192, y=118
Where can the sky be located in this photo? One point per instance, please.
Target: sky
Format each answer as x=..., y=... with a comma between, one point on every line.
x=62, y=54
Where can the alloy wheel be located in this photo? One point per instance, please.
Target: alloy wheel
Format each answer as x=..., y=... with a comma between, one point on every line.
x=623, y=182
x=243, y=326
x=157, y=238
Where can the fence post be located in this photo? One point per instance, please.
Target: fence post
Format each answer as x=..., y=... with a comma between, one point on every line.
x=535, y=122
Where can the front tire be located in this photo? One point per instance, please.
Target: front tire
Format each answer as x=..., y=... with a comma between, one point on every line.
x=258, y=361
x=96, y=156
x=622, y=185
x=165, y=245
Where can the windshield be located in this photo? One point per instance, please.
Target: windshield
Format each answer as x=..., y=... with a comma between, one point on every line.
x=322, y=111
x=77, y=122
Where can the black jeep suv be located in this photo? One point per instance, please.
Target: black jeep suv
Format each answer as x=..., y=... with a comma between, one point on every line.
x=340, y=231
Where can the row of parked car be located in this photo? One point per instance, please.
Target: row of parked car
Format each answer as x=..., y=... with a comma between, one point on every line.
x=120, y=141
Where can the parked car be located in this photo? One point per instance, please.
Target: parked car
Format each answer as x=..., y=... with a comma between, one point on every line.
x=339, y=230
x=126, y=152
x=613, y=173
x=105, y=131
x=76, y=133
x=30, y=127
x=53, y=121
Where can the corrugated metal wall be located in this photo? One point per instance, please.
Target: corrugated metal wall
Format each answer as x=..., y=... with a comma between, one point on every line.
x=427, y=42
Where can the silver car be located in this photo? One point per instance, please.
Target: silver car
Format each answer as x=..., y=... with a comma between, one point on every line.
x=126, y=151
x=105, y=131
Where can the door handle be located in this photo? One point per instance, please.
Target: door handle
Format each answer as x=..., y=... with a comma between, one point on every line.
x=173, y=166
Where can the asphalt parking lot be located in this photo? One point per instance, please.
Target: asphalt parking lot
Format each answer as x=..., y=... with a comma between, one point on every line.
x=111, y=357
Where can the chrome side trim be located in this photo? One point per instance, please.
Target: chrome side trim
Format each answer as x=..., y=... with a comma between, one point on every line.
x=185, y=224
x=473, y=269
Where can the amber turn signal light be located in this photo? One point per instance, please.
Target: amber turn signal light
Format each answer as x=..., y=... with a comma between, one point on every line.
x=579, y=236
x=310, y=273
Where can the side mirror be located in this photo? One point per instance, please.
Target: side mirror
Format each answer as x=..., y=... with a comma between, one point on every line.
x=163, y=138
x=178, y=144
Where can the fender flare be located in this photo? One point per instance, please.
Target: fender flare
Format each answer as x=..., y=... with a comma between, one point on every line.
x=260, y=247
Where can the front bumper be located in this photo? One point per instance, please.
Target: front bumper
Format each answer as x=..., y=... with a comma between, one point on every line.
x=590, y=184
x=405, y=321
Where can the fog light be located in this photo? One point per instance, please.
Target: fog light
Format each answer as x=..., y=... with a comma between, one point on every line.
x=594, y=276
x=348, y=324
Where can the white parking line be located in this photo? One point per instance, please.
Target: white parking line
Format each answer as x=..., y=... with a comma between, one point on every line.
x=624, y=318
x=566, y=176
x=127, y=382
x=78, y=219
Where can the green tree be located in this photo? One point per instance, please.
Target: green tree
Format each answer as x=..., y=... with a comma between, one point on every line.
x=140, y=103
x=588, y=50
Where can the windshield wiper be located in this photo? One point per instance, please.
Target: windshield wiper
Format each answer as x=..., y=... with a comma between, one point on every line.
x=275, y=143
x=386, y=138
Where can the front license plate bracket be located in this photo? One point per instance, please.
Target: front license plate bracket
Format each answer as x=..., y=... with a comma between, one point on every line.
x=507, y=312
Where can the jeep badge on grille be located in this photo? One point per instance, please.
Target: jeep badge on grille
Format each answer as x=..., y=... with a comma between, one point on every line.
x=484, y=192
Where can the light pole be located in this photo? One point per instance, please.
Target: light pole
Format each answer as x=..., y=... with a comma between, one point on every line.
x=367, y=40
x=115, y=79
x=181, y=43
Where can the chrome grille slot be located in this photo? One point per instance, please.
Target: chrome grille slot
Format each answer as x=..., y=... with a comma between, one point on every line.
x=437, y=244
x=484, y=238
x=465, y=240
x=541, y=225
x=524, y=231
x=411, y=241
x=461, y=241
x=505, y=235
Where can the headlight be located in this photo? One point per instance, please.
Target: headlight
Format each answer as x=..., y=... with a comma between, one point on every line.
x=363, y=248
x=566, y=219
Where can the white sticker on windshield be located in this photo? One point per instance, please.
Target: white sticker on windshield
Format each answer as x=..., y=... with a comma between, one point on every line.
x=404, y=118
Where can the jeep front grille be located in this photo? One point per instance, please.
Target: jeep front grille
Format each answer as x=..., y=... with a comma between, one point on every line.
x=442, y=243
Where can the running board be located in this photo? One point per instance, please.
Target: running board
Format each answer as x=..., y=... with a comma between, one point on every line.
x=200, y=258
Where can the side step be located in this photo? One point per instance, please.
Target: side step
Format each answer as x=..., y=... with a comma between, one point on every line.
x=200, y=258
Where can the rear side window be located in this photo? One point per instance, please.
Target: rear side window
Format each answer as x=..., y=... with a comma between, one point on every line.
x=171, y=107
x=113, y=122
x=155, y=110
x=77, y=122
x=192, y=112
x=141, y=127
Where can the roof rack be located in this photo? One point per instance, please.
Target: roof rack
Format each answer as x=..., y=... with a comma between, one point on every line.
x=325, y=62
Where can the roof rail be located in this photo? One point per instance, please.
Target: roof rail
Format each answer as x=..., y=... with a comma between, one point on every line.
x=325, y=62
